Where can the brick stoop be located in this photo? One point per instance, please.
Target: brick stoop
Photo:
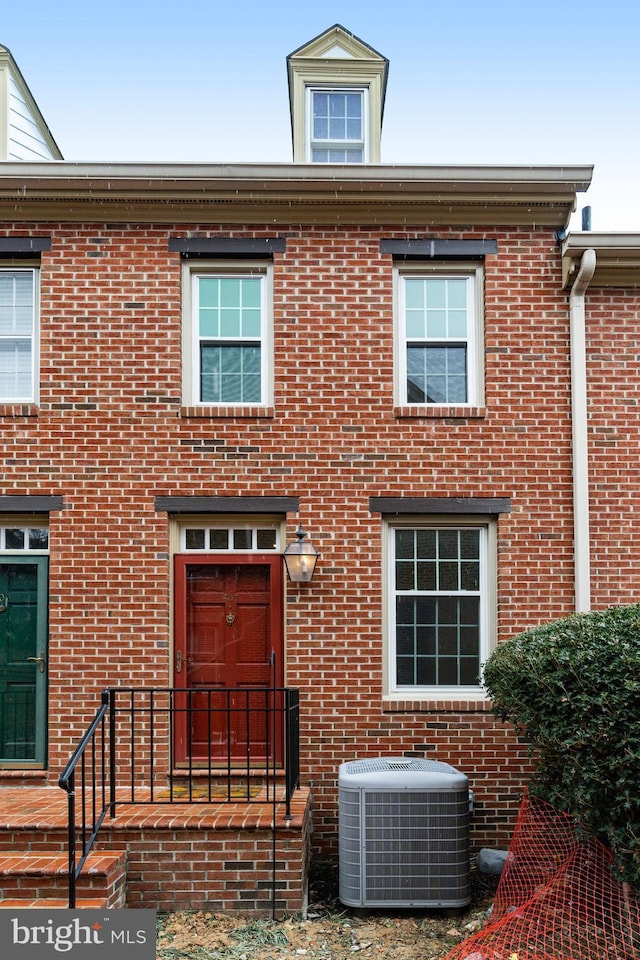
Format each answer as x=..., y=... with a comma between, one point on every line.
x=180, y=856
x=38, y=876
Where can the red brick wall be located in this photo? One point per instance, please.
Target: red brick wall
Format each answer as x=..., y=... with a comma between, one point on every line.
x=109, y=435
x=217, y=868
x=613, y=356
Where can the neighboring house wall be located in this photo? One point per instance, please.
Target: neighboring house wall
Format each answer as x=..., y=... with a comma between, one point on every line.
x=25, y=140
x=24, y=135
x=109, y=434
x=613, y=385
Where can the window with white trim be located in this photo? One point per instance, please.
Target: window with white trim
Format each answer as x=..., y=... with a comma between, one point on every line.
x=18, y=335
x=439, y=334
x=228, y=335
x=441, y=597
x=337, y=124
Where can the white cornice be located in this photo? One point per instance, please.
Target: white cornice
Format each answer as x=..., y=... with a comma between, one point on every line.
x=291, y=193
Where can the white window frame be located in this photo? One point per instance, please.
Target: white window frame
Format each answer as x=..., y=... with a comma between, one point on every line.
x=33, y=338
x=192, y=271
x=487, y=593
x=310, y=142
x=473, y=273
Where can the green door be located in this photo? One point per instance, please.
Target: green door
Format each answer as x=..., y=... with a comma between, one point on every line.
x=23, y=660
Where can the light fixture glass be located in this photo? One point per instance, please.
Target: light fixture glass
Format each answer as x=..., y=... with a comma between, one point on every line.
x=300, y=558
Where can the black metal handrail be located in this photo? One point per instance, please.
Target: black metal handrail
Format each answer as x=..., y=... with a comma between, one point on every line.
x=91, y=760
x=171, y=745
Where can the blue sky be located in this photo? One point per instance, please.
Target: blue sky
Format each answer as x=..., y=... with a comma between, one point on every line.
x=469, y=83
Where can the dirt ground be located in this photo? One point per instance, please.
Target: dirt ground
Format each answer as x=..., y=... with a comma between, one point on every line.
x=330, y=931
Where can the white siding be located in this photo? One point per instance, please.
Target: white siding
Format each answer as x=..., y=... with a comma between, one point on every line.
x=24, y=138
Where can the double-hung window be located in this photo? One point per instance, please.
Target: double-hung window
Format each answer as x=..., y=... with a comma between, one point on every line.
x=18, y=335
x=337, y=125
x=440, y=605
x=228, y=336
x=439, y=335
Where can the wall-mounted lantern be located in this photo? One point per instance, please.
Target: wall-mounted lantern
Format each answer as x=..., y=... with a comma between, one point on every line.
x=300, y=558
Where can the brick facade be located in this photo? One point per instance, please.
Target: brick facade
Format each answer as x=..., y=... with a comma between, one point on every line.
x=613, y=338
x=110, y=434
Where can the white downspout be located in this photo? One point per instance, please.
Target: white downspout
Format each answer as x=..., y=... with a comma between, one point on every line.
x=581, y=537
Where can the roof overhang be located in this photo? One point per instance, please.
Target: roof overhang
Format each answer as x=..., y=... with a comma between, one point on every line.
x=617, y=258
x=291, y=193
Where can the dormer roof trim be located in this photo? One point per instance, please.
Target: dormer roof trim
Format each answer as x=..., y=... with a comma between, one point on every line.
x=311, y=47
x=337, y=27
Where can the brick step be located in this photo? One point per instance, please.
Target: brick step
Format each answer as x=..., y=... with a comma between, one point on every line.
x=52, y=904
x=40, y=876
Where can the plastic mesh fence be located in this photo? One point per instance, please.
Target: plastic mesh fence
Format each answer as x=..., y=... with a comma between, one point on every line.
x=557, y=898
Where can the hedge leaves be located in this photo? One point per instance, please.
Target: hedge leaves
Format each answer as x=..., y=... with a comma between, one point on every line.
x=574, y=686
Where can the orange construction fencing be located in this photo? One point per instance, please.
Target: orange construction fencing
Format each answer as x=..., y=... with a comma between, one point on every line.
x=557, y=899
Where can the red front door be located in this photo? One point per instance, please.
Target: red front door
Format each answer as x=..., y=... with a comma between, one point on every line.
x=228, y=642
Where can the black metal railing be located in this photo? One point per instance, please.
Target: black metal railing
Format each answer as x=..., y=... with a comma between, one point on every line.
x=201, y=745
x=171, y=745
x=88, y=772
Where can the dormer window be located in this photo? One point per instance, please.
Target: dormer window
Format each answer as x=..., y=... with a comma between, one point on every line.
x=337, y=128
x=336, y=86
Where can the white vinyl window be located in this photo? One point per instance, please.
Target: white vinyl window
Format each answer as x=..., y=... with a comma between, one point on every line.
x=228, y=336
x=337, y=124
x=439, y=334
x=441, y=589
x=18, y=335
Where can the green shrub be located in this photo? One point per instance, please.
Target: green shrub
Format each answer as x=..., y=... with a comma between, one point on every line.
x=573, y=688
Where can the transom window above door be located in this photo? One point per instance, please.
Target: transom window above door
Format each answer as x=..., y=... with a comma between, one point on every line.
x=23, y=539
x=233, y=539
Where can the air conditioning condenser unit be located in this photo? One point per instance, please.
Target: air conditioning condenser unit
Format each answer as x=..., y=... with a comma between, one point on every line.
x=403, y=834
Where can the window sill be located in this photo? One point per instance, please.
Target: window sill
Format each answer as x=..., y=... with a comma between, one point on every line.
x=19, y=409
x=215, y=413
x=439, y=412
x=471, y=702
x=16, y=769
